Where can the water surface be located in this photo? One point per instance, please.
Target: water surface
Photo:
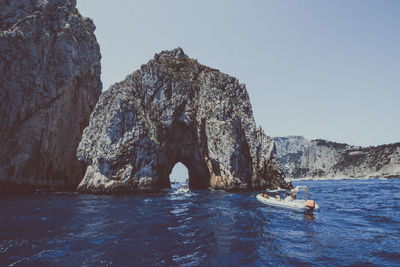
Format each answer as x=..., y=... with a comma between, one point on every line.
x=358, y=224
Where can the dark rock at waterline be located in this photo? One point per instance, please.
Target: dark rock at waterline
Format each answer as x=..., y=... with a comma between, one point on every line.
x=176, y=110
x=49, y=84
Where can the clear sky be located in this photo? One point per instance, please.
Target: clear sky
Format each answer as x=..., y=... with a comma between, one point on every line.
x=320, y=69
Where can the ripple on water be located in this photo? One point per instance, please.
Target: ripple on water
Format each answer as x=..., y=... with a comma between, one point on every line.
x=358, y=224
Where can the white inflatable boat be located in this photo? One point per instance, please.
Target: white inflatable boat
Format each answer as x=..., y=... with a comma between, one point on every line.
x=290, y=201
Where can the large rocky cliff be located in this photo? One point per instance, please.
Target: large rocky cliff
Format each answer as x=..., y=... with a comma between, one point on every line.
x=321, y=158
x=49, y=84
x=171, y=110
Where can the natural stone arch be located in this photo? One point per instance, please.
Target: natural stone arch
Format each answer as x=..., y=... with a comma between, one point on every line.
x=198, y=175
x=181, y=146
x=175, y=109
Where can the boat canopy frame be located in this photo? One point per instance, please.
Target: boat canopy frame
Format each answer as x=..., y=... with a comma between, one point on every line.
x=302, y=188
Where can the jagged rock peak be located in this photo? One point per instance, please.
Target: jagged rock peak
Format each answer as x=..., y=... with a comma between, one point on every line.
x=50, y=82
x=175, y=53
x=171, y=110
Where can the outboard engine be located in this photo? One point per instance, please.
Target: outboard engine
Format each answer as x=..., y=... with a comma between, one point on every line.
x=310, y=204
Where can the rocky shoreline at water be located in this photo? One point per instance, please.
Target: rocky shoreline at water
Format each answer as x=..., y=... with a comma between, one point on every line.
x=321, y=159
x=338, y=178
x=172, y=109
x=50, y=82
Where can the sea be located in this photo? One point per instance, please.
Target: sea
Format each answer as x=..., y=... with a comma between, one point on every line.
x=358, y=224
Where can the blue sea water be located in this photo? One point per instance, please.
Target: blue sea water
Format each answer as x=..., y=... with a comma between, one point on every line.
x=358, y=225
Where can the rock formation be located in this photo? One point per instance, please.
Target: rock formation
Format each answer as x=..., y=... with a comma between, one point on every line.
x=320, y=158
x=49, y=84
x=176, y=110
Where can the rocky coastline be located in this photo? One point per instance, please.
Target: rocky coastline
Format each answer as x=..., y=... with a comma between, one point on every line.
x=58, y=131
x=321, y=159
x=49, y=84
x=174, y=109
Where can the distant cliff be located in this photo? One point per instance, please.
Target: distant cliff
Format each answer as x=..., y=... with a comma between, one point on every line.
x=321, y=158
x=49, y=84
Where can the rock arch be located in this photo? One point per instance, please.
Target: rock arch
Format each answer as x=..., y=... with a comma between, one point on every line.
x=182, y=146
x=175, y=109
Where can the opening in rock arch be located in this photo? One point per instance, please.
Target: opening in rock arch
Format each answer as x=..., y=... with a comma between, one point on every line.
x=189, y=169
x=179, y=174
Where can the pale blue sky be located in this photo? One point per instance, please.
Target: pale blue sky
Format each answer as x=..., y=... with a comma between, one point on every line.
x=320, y=69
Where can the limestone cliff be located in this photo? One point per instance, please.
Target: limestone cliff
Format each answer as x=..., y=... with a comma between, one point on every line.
x=320, y=158
x=49, y=84
x=171, y=110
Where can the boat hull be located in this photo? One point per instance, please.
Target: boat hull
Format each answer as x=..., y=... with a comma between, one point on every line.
x=297, y=205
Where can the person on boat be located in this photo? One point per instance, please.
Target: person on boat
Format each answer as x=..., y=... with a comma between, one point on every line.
x=278, y=197
x=264, y=195
x=293, y=194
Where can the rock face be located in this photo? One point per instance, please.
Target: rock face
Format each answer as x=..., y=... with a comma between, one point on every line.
x=176, y=110
x=320, y=158
x=49, y=84
x=289, y=150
